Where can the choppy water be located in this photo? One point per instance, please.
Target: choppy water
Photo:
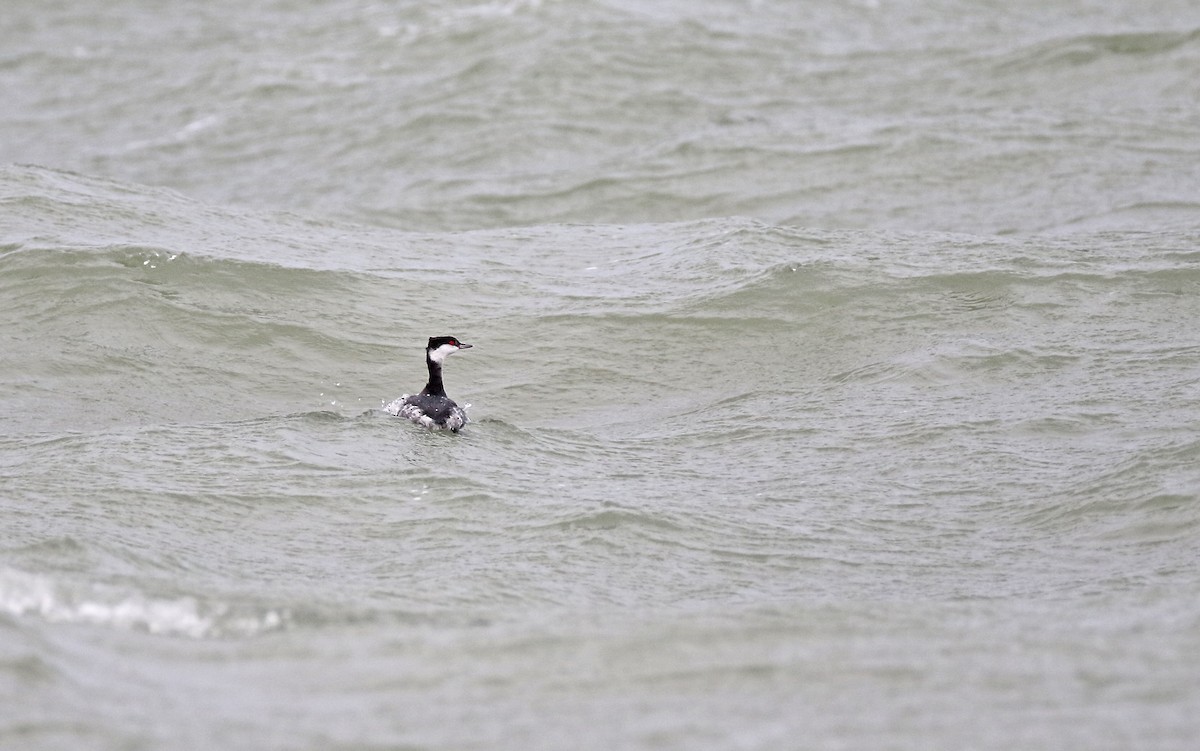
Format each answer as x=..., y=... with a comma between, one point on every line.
x=835, y=383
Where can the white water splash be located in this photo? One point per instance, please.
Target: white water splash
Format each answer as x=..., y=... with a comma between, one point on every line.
x=23, y=594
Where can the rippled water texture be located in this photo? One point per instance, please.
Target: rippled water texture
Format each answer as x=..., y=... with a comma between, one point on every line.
x=835, y=376
x=1020, y=117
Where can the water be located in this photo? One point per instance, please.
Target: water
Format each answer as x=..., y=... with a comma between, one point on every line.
x=835, y=376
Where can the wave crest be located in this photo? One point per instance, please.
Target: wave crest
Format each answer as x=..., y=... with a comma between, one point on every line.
x=28, y=595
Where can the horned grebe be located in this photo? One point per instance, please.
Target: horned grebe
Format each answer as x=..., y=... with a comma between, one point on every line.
x=432, y=408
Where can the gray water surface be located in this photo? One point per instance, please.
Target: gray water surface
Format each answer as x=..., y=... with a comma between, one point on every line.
x=835, y=380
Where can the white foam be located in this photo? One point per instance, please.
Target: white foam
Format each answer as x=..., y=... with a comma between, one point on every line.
x=23, y=594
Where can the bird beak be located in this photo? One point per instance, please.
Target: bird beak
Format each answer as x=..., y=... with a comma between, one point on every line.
x=464, y=345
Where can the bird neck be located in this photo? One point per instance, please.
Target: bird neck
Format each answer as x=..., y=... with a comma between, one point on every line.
x=434, y=387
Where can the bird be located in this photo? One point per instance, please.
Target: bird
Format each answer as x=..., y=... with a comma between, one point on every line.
x=432, y=408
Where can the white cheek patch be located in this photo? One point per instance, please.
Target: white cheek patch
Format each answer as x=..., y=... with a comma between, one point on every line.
x=439, y=354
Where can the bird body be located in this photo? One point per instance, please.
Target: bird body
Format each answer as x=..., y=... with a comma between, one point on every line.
x=431, y=407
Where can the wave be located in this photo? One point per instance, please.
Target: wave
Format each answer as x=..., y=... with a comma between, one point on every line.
x=23, y=594
x=59, y=600
x=1084, y=49
x=185, y=312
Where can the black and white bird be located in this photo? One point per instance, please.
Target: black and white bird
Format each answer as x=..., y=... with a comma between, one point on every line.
x=432, y=408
